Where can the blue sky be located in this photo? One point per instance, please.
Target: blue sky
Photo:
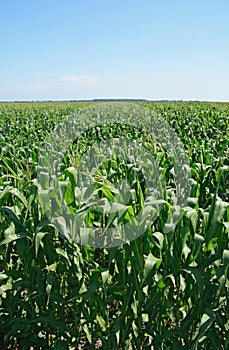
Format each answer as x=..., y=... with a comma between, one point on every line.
x=167, y=49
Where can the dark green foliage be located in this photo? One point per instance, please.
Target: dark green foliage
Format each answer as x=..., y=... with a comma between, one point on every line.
x=167, y=289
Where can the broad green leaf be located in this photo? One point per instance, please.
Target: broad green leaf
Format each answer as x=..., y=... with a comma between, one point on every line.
x=196, y=275
x=5, y=287
x=150, y=262
x=160, y=237
x=101, y=322
x=51, y=267
x=226, y=258
x=107, y=193
x=105, y=275
x=226, y=224
x=38, y=240
x=63, y=253
x=16, y=221
x=206, y=321
x=3, y=276
x=88, y=333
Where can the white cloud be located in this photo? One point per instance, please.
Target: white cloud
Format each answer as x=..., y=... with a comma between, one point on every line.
x=80, y=79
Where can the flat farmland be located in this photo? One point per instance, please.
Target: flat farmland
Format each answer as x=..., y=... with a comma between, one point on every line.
x=165, y=289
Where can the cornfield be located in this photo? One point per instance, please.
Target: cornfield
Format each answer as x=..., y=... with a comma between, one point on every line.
x=166, y=288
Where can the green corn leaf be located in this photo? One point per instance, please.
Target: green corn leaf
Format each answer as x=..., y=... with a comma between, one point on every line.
x=20, y=227
x=206, y=321
x=150, y=262
x=3, y=276
x=38, y=240
x=5, y=287
x=101, y=322
x=226, y=260
x=226, y=225
x=197, y=276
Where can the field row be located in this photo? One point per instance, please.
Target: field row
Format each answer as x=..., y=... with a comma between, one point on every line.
x=144, y=187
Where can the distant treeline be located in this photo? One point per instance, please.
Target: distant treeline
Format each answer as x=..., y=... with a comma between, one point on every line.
x=102, y=100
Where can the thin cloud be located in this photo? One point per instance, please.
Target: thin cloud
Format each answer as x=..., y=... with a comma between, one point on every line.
x=80, y=79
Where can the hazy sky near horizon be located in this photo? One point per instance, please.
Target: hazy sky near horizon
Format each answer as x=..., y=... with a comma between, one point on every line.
x=168, y=49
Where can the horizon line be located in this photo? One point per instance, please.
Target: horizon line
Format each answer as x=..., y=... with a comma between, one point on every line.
x=111, y=100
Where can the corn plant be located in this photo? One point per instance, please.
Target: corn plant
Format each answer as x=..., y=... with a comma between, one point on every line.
x=166, y=289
